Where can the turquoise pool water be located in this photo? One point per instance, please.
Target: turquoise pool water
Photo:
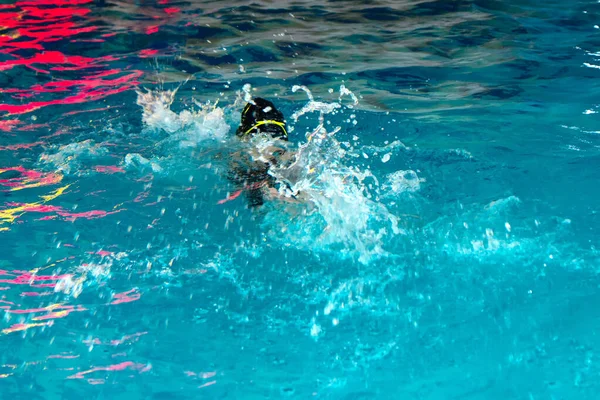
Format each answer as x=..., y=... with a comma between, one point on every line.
x=447, y=249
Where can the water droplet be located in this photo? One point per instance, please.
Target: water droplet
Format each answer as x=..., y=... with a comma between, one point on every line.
x=315, y=330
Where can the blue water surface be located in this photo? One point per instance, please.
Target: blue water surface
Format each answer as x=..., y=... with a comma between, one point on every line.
x=128, y=271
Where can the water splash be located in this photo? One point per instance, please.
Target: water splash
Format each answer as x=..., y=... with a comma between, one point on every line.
x=247, y=90
x=402, y=181
x=84, y=275
x=314, y=106
x=344, y=214
x=344, y=91
x=72, y=158
x=189, y=127
x=340, y=203
x=138, y=162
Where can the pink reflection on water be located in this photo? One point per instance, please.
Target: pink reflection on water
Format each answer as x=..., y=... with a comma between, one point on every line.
x=27, y=178
x=7, y=125
x=35, y=294
x=60, y=314
x=127, y=297
x=64, y=356
x=86, y=215
x=22, y=327
x=67, y=216
x=109, y=169
x=28, y=278
x=115, y=367
x=20, y=146
x=128, y=338
x=54, y=311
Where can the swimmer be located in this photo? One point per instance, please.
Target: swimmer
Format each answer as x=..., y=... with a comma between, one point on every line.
x=250, y=169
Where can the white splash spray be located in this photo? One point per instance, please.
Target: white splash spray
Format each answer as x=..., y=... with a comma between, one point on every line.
x=314, y=106
x=351, y=220
x=70, y=158
x=189, y=127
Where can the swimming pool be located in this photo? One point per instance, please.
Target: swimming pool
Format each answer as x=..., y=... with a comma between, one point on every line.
x=448, y=249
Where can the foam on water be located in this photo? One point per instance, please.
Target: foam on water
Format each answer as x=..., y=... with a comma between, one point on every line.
x=73, y=158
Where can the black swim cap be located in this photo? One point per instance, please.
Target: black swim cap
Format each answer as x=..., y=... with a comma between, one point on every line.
x=262, y=116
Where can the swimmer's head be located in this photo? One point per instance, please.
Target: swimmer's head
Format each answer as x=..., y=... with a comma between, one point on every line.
x=262, y=117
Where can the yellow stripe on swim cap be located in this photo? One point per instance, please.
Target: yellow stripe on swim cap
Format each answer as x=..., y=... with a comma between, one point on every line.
x=267, y=122
x=246, y=109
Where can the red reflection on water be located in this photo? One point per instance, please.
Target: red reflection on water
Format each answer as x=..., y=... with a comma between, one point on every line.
x=54, y=33
x=57, y=3
x=28, y=28
x=46, y=68
x=172, y=10
x=58, y=58
x=148, y=53
x=85, y=111
x=90, y=89
x=28, y=25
